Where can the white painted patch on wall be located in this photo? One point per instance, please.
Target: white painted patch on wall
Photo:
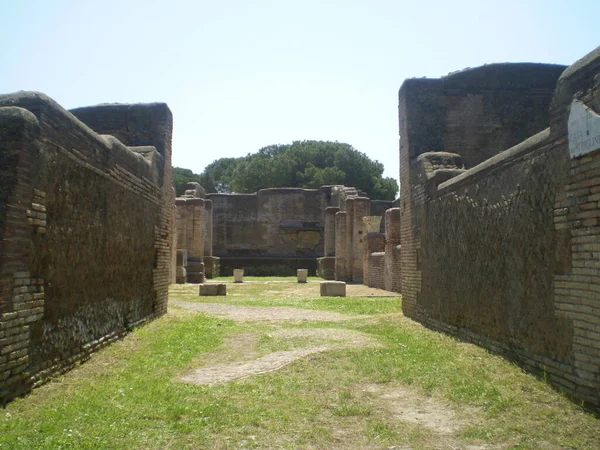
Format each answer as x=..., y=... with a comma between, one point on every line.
x=584, y=130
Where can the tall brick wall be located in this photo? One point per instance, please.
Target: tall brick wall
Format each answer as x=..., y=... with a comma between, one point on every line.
x=277, y=227
x=504, y=254
x=86, y=237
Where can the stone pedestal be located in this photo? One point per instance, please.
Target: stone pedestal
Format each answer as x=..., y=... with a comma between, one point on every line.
x=238, y=275
x=302, y=275
x=333, y=289
x=213, y=289
x=326, y=267
x=180, y=275
x=211, y=266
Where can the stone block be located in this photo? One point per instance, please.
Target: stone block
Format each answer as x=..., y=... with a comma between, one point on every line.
x=182, y=257
x=326, y=267
x=181, y=275
x=194, y=266
x=238, y=275
x=333, y=289
x=213, y=289
x=195, y=277
x=302, y=275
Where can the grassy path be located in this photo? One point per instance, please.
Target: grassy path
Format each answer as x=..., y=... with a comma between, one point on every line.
x=220, y=379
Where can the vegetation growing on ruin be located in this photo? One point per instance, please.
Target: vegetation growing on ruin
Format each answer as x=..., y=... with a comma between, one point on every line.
x=304, y=164
x=129, y=395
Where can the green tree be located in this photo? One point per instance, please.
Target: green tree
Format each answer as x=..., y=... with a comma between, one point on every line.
x=307, y=164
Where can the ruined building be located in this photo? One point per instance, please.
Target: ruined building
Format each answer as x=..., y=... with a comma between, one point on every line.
x=499, y=213
x=86, y=212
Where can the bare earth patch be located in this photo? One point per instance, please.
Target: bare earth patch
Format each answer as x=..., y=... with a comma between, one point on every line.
x=265, y=313
x=224, y=372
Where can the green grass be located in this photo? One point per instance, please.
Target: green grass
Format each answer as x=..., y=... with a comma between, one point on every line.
x=128, y=396
x=283, y=294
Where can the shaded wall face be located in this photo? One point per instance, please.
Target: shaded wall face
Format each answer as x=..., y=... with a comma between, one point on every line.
x=272, y=223
x=504, y=255
x=94, y=249
x=480, y=112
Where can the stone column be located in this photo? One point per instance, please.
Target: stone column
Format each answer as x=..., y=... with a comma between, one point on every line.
x=374, y=242
x=181, y=226
x=326, y=264
x=340, y=246
x=209, y=263
x=392, y=272
x=349, y=252
x=330, y=230
x=195, y=240
x=361, y=209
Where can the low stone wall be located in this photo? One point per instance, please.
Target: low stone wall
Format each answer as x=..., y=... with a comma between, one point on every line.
x=376, y=270
x=267, y=266
x=85, y=236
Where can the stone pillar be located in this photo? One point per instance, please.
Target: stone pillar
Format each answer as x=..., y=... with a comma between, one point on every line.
x=349, y=252
x=195, y=240
x=173, y=243
x=340, y=246
x=392, y=272
x=361, y=209
x=181, y=226
x=209, y=260
x=374, y=242
x=330, y=230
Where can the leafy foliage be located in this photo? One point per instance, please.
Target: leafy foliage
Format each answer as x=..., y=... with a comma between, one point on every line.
x=306, y=164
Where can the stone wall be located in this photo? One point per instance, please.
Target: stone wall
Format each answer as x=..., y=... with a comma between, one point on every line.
x=275, y=227
x=505, y=254
x=85, y=234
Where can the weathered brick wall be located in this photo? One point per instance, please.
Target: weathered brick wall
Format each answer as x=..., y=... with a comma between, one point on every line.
x=480, y=112
x=269, y=226
x=506, y=253
x=86, y=243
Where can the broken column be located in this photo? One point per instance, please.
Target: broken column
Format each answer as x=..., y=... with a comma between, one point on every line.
x=181, y=225
x=340, y=246
x=374, y=241
x=211, y=263
x=392, y=272
x=326, y=264
x=195, y=240
x=361, y=209
x=349, y=251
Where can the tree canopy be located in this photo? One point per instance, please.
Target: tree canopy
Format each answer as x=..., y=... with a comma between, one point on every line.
x=305, y=164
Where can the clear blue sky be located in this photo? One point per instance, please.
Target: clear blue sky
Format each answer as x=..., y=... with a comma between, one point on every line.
x=240, y=75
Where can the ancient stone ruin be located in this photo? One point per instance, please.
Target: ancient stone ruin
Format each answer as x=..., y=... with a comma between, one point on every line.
x=499, y=213
x=495, y=238
x=86, y=212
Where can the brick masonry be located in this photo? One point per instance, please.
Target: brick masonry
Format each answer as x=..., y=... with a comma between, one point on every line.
x=72, y=278
x=274, y=229
x=505, y=254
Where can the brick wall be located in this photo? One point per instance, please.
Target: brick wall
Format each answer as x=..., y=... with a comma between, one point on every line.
x=506, y=253
x=86, y=237
x=264, y=228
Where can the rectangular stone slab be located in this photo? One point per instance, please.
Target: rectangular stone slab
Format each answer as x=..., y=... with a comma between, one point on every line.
x=333, y=289
x=213, y=289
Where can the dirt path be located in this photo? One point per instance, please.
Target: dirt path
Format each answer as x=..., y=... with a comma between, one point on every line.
x=241, y=357
x=265, y=313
